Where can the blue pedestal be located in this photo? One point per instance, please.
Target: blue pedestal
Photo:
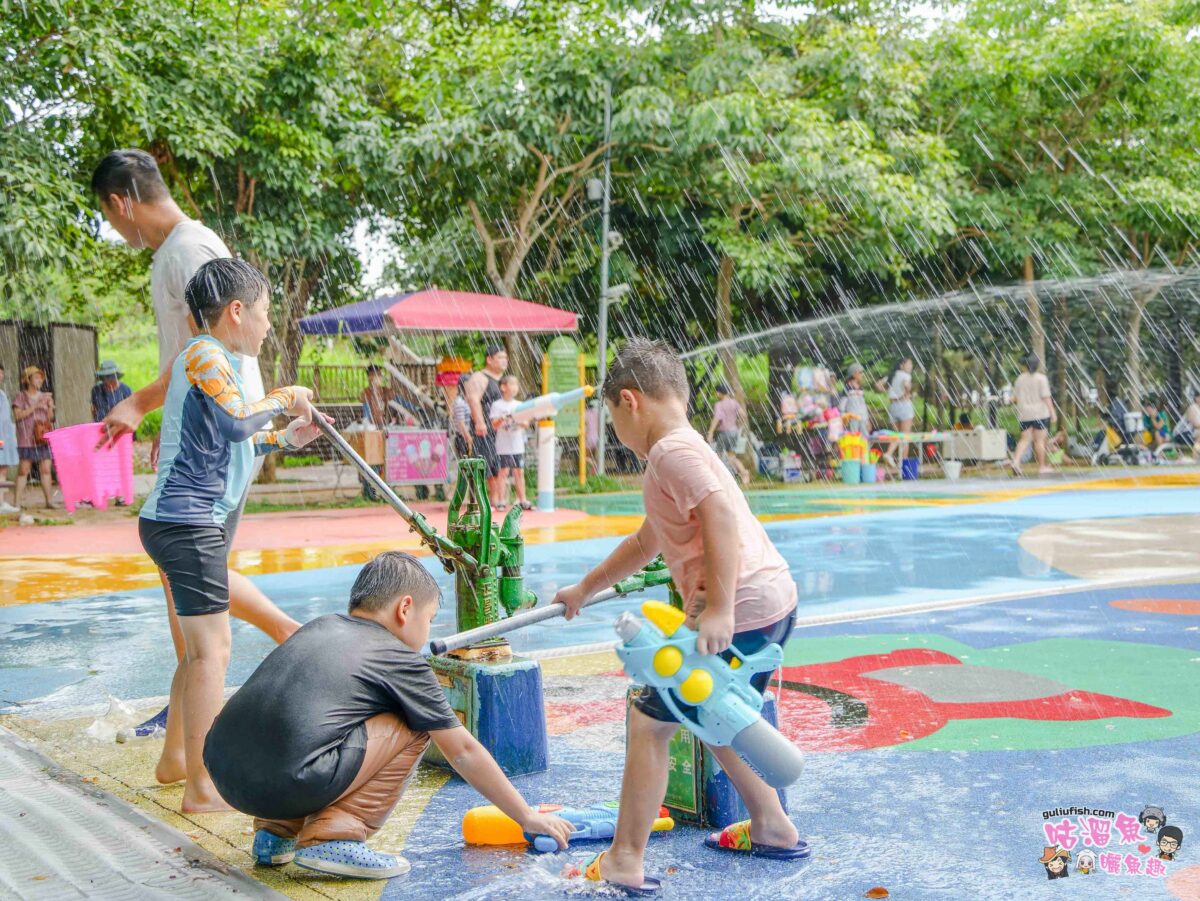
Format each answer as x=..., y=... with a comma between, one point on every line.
x=698, y=791
x=501, y=704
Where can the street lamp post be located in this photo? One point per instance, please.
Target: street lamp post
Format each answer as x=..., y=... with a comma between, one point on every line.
x=602, y=327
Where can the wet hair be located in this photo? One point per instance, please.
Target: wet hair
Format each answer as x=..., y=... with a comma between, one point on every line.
x=651, y=367
x=391, y=575
x=1151, y=811
x=129, y=173
x=722, y=388
x=1033, y=362
x=374, y=369
x=217, y=284
x=1171, y=832
x=509, y=380
x=493, y=349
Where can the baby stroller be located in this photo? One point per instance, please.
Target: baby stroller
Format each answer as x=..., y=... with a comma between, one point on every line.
x=1114, y=445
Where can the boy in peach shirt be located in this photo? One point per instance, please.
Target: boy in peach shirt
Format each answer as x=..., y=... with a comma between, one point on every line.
x=736, y=592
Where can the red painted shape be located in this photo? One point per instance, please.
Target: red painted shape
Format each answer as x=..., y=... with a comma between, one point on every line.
x=562, y=719
x=896, y=714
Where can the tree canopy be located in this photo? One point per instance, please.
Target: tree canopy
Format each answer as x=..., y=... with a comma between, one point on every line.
x=769, y=163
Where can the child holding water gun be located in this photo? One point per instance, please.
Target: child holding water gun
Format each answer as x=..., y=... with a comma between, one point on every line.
x=210, y=436
x=736, y=593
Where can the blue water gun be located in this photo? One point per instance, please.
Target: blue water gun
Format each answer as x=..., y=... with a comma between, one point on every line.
x=727, y=705
x=596, y=822
x=489, y=826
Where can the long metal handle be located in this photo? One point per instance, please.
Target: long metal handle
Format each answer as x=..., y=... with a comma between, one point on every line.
x=520, y=621
x=445, y=549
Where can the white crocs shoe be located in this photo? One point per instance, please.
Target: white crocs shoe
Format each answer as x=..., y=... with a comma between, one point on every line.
x=354, y=859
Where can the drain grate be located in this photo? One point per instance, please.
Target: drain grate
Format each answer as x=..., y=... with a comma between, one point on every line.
x=65, y=840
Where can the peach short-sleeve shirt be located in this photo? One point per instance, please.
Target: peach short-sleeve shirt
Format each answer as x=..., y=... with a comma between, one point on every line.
x=681, y=471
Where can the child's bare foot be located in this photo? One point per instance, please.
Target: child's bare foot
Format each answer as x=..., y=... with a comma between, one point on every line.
x=782, y=834
x=170, y=769
x=622, y=869
x=203, y=799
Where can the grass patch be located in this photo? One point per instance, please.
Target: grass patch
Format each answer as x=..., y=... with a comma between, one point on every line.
x=595, y=484
x=295, y=461
x=253, y=506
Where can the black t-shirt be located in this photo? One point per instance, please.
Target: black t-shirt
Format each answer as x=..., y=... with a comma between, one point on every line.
x=491, y=394
x=292, y=739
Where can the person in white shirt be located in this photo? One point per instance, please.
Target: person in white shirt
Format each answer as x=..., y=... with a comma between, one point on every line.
x=1187, y=430
x=900, y=408
x=135, y=200
x=1035, y=412
x=510, y=444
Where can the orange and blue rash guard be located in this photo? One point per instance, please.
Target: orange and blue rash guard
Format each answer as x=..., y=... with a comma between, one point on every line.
x=210, y=435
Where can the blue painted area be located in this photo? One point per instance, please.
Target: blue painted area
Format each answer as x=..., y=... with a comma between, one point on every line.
x=1082, y=614
x=923, y=824
x=87, y=649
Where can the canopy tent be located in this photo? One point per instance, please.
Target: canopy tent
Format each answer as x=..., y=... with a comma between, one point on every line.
x=435, y=310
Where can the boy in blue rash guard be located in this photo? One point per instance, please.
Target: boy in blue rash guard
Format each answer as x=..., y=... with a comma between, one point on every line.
x=210, y=436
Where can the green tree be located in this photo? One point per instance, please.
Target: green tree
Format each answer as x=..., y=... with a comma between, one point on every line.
x=798, y=182
x=1077, y=124
x=60, y=64
x=498, y=131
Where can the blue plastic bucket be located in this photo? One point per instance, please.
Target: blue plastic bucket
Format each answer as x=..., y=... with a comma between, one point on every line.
x=868, y=473
x=851, y=472
x=910, y=470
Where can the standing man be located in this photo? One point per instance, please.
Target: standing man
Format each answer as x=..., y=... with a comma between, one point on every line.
x=483, y=390
x=108, y=391
x=135, y=200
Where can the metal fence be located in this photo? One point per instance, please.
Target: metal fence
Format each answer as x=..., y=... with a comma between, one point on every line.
x=342, y=384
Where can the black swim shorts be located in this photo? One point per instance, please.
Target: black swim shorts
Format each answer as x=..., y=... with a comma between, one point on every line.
x=485, y=448
x=749, y=642
x=195, y=561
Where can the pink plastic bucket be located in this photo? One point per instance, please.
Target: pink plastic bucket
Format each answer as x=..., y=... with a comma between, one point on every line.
x=88, y=474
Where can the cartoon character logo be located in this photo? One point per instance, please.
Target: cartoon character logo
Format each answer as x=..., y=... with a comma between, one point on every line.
x=1085, y=862
x=1170, y=840
x=1056, y=860
x=1152, y=819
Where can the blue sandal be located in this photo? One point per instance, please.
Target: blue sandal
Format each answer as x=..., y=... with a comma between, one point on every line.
x=736, y=838
x=591, y=872
x=156, y=725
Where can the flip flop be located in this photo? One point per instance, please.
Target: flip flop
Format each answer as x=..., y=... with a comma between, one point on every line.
x=736, y=838
x=591, y=872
